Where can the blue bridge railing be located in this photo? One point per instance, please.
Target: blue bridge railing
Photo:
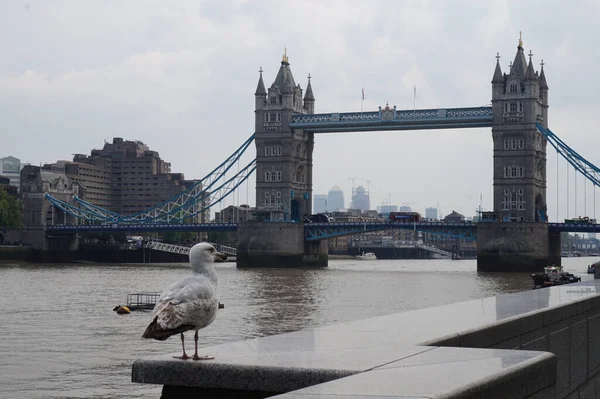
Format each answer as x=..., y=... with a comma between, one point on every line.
x=392, y=119
x=318, y=231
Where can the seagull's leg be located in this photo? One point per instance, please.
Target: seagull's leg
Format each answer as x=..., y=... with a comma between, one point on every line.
x=184, y=356
x=196, y=357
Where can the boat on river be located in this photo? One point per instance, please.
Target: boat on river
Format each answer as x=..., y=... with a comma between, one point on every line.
x=553, y=275
x=366, y=256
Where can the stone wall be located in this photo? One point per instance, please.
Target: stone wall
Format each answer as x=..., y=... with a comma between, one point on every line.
x=513, y=247
x=277, y=244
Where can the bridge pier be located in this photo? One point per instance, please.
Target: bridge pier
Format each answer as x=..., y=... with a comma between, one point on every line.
x=516, y=247
x=278, y=244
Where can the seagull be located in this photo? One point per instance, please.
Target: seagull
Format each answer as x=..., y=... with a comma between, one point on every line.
x=189, y=304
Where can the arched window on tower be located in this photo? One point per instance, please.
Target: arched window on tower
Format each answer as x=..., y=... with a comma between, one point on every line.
x=300, y=174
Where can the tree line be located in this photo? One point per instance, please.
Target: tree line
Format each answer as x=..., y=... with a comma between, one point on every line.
x=10, y=211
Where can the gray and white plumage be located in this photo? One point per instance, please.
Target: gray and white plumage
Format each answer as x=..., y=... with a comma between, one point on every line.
x=189, y=304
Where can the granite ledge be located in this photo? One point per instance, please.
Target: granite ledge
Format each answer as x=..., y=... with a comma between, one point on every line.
x=338, y=352
x=505, y=374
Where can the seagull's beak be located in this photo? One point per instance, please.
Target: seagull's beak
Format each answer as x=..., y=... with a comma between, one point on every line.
x=220, y=257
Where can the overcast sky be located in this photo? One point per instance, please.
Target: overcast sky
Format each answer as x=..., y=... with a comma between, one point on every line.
x=180, y=76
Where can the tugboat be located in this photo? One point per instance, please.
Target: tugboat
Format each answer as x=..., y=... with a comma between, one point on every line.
x=591, y=269
x=553, y=275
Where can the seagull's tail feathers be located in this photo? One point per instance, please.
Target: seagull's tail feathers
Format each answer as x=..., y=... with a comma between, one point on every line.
x=154, y=330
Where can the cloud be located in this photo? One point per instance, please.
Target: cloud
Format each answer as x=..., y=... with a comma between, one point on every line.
x=181, y=77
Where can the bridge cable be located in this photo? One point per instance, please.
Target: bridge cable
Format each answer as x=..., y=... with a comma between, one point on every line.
x=567, y=191
x=557, y=180
x=584, y=198
x=575, y=174
x=238, y=196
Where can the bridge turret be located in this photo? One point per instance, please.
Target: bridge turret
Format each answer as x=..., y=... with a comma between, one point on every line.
x=544, y=94
x=309, y=98
x=261, y=93
x=532, y=83
x=497, y=79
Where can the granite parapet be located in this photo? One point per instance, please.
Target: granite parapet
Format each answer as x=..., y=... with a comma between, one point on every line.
x=471, y=343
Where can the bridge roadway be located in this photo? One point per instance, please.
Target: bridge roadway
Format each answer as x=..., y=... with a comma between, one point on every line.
x=318, y=231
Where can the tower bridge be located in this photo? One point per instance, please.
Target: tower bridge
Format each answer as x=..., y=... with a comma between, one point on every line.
x=285, y=125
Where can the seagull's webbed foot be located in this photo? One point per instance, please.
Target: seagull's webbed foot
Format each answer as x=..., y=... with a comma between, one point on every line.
x=196, y=357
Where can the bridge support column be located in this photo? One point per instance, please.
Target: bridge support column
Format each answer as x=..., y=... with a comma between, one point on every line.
x=515, y=247
x=277, y=244
x=555, y=248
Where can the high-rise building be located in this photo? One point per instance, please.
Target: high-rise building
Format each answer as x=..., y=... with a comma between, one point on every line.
x=405, y=208
x=335, y=199
x=360, y=199
x=320, y=203
x=11, y=167
x=431, y=213
x=125, y=177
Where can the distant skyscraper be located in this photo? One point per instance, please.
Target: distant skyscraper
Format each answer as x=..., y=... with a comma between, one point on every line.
x=335, y=199
x=431, y=213
x=405, y=209
x=360, y=199
x=320, y=204
x=11, y=167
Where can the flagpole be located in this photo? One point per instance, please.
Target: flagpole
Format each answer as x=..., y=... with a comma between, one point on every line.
x=415, y=100
x=362, y=100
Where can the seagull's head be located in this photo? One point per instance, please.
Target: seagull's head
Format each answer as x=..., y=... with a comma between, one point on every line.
x=203, y=253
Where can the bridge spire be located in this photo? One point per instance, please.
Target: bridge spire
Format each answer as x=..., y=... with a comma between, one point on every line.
x=260, y=88
x=498, y=78
x=530, y=74
x=284, y=59
x=520, y=46
x=519, y=65
x=309, y=96
x=543, y=83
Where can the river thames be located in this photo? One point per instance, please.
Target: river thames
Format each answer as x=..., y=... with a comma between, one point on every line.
x=60, y=338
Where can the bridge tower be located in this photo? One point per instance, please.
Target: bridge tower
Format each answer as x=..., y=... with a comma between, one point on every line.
x=283, y=179
x=519, y=100
x=283, y=155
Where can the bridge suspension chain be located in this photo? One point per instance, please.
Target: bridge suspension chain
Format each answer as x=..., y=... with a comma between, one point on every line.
x=589, y=171
x=189, y=197
x=206, y=200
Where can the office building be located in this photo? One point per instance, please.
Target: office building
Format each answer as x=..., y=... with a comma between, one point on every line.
x=11, y=167
x=360, y=199
x=431, y=213
x=320, y=203
x=335, y=199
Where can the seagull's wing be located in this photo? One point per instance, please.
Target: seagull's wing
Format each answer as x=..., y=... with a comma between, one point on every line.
x=182, y=303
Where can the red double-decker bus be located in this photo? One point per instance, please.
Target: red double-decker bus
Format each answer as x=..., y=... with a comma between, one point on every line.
x=405, y=217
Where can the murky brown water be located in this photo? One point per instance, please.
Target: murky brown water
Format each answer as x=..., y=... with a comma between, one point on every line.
x=59, y=337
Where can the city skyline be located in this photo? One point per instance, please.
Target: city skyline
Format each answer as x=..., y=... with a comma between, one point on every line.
x=182, y=69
